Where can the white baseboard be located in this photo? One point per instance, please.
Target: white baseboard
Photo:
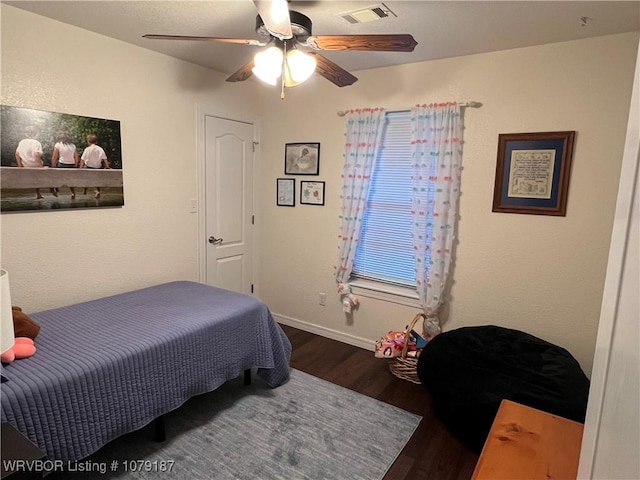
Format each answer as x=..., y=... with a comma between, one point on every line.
x=365, y=343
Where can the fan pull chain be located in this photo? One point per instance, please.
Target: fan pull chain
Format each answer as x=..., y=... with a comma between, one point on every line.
x=284, y=61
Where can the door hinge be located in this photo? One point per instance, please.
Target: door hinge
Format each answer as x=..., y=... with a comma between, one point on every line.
x=252, y=288
x=253, y=146
x=253, y=219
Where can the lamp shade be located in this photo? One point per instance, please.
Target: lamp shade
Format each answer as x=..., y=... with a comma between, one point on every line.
x=268, y=65
x=7, y=338
x=301, y=66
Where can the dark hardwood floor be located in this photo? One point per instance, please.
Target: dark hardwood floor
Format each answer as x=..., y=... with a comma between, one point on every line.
x=432, y=452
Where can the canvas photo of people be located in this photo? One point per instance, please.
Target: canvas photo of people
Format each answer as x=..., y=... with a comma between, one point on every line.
x=302, y=159
x=54, y=161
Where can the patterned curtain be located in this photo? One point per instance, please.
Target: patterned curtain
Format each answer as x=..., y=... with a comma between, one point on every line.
x=437, y=157
x=362, y=138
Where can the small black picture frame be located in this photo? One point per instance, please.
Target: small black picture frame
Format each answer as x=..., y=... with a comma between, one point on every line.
x=285, y=192
x=302, y=159
x=311, y=193
x=532, y=173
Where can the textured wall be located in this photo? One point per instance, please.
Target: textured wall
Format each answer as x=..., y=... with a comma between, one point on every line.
x=540, y=274
x=60, y=257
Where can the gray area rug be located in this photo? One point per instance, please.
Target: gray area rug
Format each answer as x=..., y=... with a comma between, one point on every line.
x=306, y=429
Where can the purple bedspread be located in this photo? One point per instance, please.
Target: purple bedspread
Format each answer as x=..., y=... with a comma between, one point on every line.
x=107, y=367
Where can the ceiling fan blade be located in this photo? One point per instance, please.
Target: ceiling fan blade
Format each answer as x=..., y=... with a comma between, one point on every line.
x=401, y=42
x=332, y=72
x=275, y=15
x=241, y=41
x=242, y=74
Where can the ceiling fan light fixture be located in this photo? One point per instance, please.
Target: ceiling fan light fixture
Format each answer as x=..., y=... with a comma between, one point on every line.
x=268, y=65
x=301, y=66
x=279, y=11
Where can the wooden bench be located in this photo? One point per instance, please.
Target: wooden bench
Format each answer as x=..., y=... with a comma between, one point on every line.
x=14, y=177
x=529, y=444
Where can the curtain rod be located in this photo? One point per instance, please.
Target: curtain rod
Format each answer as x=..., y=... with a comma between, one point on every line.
x=342, y=113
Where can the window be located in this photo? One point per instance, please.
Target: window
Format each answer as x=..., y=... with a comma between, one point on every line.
x=385, y=249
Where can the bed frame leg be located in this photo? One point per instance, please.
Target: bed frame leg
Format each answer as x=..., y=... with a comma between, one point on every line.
x=247, y=376
x=160, y=434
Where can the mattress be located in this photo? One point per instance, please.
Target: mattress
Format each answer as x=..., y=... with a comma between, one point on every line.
x=107, y=367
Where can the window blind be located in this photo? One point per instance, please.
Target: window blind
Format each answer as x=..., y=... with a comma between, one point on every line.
x=385, y=248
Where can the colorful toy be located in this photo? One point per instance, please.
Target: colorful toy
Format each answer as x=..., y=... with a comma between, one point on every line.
x=420, y=342
x=390, y=346
x=23, y=347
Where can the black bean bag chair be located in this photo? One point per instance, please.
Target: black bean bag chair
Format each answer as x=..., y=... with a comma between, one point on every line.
x=470, y=370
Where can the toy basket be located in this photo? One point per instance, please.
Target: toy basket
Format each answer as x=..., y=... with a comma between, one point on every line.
x=405, y=367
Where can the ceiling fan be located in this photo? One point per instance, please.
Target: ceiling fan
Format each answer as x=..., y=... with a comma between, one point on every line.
x=286, y=31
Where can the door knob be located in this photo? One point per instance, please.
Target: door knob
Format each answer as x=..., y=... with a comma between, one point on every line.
x=215, y=241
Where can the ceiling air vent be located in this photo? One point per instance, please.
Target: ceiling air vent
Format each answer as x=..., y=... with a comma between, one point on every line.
x=369, y=14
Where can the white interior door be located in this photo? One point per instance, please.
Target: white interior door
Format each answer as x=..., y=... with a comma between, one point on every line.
x=228, y=203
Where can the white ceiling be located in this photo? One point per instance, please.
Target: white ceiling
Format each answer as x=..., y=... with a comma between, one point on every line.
x=441, y=28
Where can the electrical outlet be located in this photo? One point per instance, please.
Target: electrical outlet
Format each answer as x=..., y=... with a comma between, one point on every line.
x=322, y=299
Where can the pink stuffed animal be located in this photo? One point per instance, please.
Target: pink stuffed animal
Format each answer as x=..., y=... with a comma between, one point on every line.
x=22, y=348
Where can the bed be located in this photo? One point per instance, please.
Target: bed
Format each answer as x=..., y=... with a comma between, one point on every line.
x=107, y=367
